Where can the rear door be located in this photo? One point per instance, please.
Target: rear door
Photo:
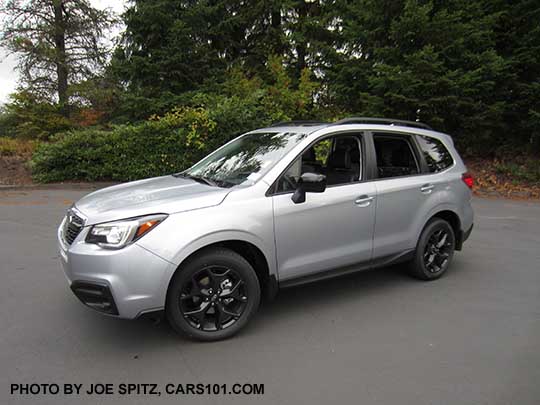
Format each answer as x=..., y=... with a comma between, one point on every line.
x=332, y=229
x=405, y=194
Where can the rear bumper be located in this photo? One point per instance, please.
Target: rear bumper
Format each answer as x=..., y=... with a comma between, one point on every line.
x=467, y=233
x=462, y=237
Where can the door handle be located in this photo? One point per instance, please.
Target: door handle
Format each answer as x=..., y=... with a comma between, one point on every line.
x=427, y=188
x=363, y=201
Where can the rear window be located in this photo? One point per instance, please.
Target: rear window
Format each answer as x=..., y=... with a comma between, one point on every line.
x=437, y=156
x=395, y=156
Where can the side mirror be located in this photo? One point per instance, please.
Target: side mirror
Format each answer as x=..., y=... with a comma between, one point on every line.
x=309, y=183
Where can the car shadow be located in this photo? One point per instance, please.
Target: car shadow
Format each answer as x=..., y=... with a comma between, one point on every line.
x=290, y=303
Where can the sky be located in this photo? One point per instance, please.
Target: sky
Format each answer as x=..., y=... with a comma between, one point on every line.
x=8, y=77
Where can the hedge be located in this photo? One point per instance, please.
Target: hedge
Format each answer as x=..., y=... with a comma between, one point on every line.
x=161, y=145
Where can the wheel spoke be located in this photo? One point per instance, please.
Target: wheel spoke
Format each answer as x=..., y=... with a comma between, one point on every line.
x=217, y=278
x=431, y=258
x=442, y=240
x=224, y=310
x=196, y=288
x=199, y=314
x=217, y=317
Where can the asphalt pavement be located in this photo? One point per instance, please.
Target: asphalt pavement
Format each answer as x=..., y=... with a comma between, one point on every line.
x=377, y=337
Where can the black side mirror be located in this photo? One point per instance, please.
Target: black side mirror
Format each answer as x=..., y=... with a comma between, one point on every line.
x=308, y=183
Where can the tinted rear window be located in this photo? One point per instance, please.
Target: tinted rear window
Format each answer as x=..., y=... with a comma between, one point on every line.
x=437, y=156
x=395, y=156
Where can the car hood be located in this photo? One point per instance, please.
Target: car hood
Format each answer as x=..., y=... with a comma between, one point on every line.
x=166, y=194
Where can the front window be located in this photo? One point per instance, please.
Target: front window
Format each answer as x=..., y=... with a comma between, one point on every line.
x=337, y=157
x=245, y=159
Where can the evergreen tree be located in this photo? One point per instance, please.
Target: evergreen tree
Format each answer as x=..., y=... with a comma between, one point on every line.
x=59, y=42
x=517, y=40
x=173, y=47
x=467, y=67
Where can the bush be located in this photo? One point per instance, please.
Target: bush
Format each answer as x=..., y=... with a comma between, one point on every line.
x=174, y=141
x=155, y=147
x=16, y=147
x=26, y=117
x=521, y=169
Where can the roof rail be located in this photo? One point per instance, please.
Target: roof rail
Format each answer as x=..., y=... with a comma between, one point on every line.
x=305, y=123
x=382, y=121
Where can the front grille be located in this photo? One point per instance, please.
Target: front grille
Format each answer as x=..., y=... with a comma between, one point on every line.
x=72, y=227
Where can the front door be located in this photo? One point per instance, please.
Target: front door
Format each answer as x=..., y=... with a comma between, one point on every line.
x=331, y=229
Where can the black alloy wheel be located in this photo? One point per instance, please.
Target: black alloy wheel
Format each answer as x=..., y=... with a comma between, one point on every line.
x=434, y=251
x=437, y=251
x=214, y=298
x=213, y=295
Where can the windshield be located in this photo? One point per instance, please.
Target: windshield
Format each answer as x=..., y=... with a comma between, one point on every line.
x=245, y=159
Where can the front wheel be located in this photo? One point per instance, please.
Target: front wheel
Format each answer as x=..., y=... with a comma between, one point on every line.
x=213, y=295
x=434, y=251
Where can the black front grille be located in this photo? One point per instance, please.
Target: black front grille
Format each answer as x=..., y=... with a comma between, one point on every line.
x=73, y=226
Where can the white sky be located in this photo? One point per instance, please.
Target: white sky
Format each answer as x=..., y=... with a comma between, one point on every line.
x=8, y=77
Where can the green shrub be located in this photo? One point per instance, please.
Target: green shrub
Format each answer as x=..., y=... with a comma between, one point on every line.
x=161, y=145
x=16, y=147
x=176, y=140
x=522, y=169
x=27, y=117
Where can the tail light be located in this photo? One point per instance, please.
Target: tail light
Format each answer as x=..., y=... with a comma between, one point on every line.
x=468, y=179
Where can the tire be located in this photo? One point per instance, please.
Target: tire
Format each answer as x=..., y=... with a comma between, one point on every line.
x=434, y=251
x=213, y=295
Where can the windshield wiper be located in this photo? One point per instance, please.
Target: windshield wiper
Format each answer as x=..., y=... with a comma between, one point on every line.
x=200, y=179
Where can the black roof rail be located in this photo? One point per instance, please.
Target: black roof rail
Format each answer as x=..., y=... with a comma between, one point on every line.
x=301, y=123
x=382, y=121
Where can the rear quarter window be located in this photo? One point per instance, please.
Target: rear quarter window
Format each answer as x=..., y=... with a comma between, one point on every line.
x=435, y=153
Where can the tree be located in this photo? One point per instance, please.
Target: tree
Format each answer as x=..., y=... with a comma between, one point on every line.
x=27, y=117
x=173, y=47
x=59, y=43
x=467, y=67
x=432, y=60
x=517, y=39
x=168, y=47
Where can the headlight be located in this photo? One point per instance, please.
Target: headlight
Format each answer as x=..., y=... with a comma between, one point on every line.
x=118, y=234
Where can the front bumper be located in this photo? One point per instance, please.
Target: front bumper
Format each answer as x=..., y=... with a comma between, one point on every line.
x=126, y=283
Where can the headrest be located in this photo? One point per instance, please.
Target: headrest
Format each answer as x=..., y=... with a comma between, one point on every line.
x=400, y=157
x=340, y=159
x=309, y=155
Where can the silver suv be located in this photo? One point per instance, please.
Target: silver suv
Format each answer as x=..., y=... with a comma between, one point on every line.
x=276, y=207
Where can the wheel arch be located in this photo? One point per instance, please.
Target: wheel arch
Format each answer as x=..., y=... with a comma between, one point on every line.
x=453, y=219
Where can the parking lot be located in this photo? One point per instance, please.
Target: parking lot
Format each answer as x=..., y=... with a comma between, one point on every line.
x=377, y=337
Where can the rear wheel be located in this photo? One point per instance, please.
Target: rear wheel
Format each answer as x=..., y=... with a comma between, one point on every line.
x=434, y=251
x=213, y=296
